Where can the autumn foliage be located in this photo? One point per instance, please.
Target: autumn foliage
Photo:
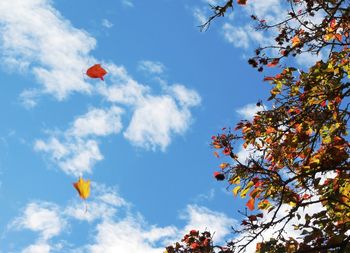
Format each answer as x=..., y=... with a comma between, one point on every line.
x=298, y=142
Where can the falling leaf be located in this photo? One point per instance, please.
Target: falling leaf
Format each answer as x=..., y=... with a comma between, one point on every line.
x=216, y=154
x=96, y=71
x=83, y=188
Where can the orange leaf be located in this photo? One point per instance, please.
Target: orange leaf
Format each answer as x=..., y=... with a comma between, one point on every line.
x=250, y=204
x=295, y=41
x=338, y=36
x=216, y=154
x=224, y=165
x=270, y=130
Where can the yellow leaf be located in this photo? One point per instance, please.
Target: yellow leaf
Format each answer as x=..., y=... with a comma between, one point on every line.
x=235, y=180
x=328, y=36
x=83, y=188
x=236, y=189
x=246, y=189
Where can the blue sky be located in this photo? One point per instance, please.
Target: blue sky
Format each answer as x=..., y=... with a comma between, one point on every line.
x=142, y=136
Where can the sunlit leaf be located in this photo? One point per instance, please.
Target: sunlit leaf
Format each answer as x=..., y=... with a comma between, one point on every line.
x=83, y=188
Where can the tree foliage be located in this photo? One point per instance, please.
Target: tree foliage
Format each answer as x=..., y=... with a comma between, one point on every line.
x=299, y=147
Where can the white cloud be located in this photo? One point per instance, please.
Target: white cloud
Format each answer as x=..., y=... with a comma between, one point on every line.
x=309, y=59
x=78, y=150
x=29, y=98
x=91, y=212
x=238, y=36
x=106, y=23
x=155, y=120
x=35, y=35
x=83, y=156
x=128, y=3
x=128, y=93
x=186, y=97
x=245, y=36
x=73, y=156
x=53, y=146
x=43, y=218
x=129, y=236
x=37, y=248
x=269, y=10
x=202, y=218
x=248, y=111
x=97, y=122
x=152, y=67
x=200, y=15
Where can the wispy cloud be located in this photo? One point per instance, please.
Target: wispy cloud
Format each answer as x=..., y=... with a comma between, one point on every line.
x=76, y=150
x=97, y=122
x=151, y=67
x=41, y=217
x=128, y=3
x=35, y=35
x=202, y=218
x=154, y=121
x=40, y=247
x=249, y=111
x=106, y=23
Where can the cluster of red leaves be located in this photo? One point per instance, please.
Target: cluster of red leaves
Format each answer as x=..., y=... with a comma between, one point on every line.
x=194, y=242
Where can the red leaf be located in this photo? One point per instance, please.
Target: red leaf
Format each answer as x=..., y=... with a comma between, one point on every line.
x=242, y=2
x=96, y=71
x=194, y=245
x=269, y=78
x=226, y=151
x=194, y=232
